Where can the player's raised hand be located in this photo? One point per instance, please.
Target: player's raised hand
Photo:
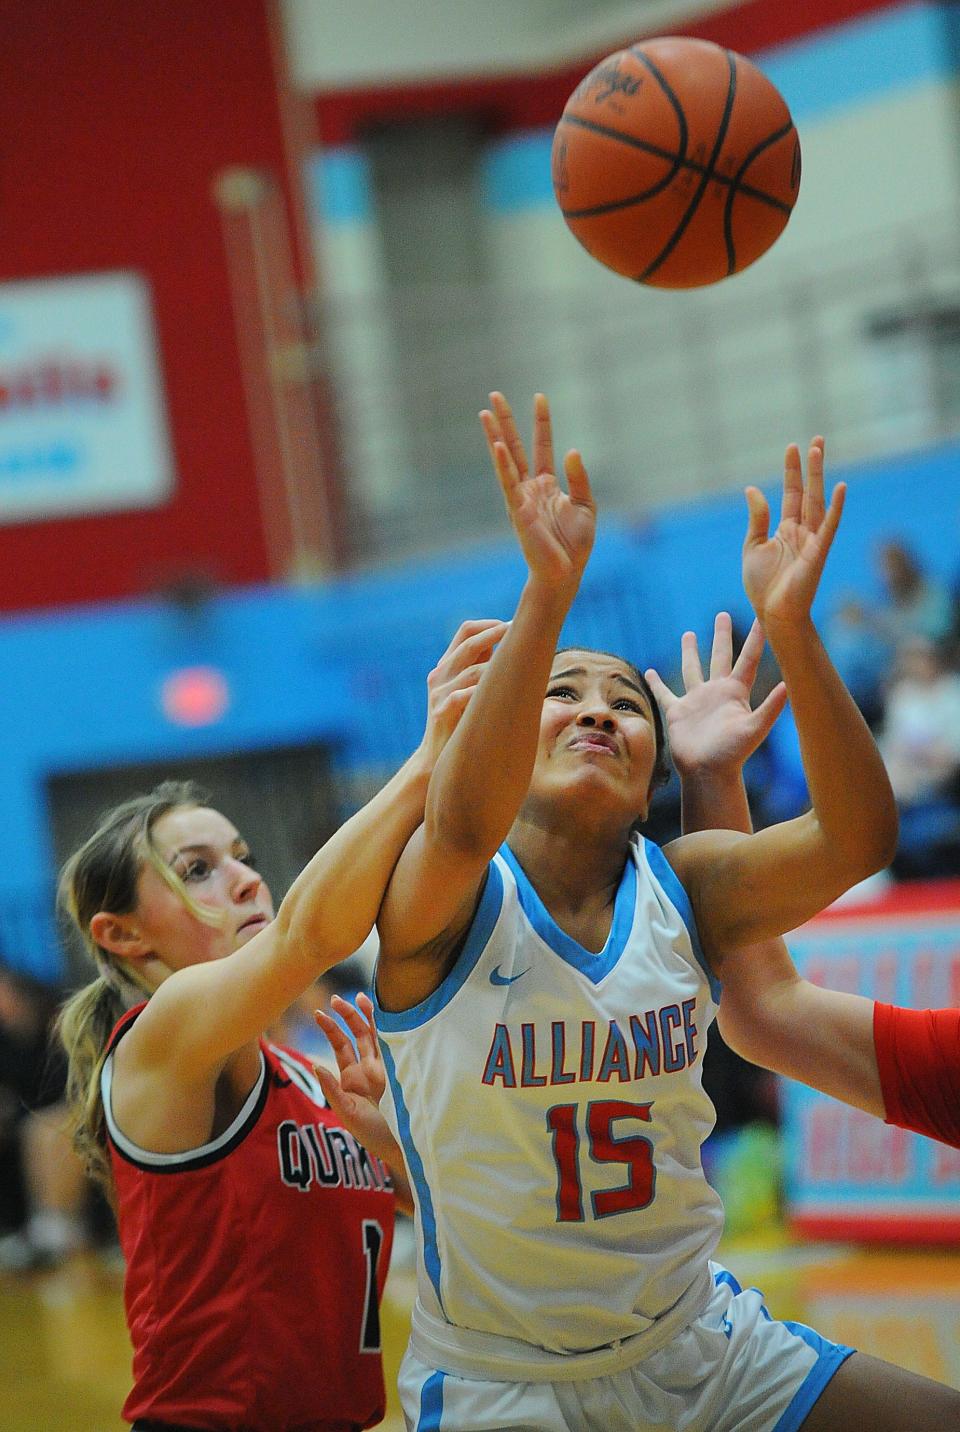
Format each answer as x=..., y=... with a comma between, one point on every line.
x=555, y=528
x=355, y=1096
x=363, y=1077
x=781, y=572
x=453, y=680
x=712, y=727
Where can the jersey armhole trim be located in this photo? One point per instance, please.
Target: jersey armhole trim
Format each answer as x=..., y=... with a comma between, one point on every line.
x=200, y=1157
x=672, y=888
x=481, y=928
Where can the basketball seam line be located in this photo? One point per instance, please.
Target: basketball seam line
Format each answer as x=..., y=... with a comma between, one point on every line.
x=677, y=159
x=678, y=163
x=736, y=188
x=665, y=85
x=724, y=125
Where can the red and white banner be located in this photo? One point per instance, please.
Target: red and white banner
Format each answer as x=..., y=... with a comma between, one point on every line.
x=849, y=1175
x=82, y=418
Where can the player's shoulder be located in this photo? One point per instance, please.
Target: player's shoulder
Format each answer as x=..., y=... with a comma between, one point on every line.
x=689, y=856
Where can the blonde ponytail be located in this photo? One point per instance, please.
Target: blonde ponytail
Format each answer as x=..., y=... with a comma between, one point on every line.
x=103, y=875
x=84, y=1025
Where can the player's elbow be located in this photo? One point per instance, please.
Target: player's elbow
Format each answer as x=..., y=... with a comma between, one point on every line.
x=888, y=836
x=316, y=939
x=870, y=846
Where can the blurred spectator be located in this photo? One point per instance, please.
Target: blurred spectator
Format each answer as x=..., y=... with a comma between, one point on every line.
x=920, y=743
x=862, y=651
x=916, y=606
x=44, y=1187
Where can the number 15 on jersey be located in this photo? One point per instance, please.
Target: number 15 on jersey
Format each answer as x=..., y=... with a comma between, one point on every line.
x=604, y=1146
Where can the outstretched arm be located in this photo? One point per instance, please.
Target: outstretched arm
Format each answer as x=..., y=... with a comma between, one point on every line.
x=482, y=777
x=768, y=1014
x=750, y=887
x=202, y=1014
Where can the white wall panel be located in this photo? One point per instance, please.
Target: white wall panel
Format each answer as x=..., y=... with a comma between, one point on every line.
x=335, y=44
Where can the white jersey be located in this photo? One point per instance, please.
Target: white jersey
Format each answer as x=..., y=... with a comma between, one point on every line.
x=550, y=1106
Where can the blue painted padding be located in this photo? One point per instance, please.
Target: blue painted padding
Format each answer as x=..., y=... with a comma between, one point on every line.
x=351, y=657
x=338, y=186
x=859, y=62
x=516, y=172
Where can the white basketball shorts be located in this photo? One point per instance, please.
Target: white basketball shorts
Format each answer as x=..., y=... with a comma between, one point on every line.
x=734, y=1369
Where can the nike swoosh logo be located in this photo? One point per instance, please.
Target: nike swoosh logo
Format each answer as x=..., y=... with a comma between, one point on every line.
x=496, y=978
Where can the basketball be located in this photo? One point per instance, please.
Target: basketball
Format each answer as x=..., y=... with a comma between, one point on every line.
x=676, y=162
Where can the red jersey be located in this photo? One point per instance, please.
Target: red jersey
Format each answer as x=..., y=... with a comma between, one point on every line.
x=255, y=1264
x=918, y=1056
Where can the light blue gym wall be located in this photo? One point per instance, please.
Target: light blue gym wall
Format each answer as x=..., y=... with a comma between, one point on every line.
x=346, y=663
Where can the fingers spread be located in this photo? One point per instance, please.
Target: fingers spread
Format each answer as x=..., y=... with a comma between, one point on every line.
x=508, y=429
x=578, y=483
x=542, y=435
x=366, y=1009
x=664, y=696
x=748, y=661
x=758, y=523
x=834, y=513
x=813, y=498
x=769, y=709
x=491, y=429
x=721, y=655
x=340, y=1042
x=474, y=640
x=354, y=1020
x=508, y=475
x=818, y=544
x=332, y=1091
x=792, y=507
x=690, y=666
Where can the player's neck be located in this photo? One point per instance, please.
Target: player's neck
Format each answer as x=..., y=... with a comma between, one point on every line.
x=571, y=868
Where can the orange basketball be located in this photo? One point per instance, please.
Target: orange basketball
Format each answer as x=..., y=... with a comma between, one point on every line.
x=676, y=162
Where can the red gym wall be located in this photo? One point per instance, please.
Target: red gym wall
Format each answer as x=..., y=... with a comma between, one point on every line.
x=116, y=119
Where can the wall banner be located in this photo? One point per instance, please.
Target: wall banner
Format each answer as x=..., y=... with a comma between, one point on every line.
x=82, y=420
x=849, y=1175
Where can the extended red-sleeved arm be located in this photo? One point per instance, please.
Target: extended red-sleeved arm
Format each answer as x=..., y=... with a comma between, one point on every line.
x=918, y=1056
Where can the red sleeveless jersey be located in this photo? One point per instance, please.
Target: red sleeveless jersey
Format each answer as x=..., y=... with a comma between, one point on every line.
x=918, y=1056
x=255, y=1264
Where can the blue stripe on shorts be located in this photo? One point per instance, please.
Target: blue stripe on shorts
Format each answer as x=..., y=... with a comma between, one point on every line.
x=431, y=1403
x=830, y=1357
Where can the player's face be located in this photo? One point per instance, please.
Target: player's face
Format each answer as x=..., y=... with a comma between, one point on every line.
x=204, y=849
x=597, y=735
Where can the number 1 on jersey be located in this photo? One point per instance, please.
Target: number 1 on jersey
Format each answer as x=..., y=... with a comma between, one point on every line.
x=635, y=1151
x=372, y=1244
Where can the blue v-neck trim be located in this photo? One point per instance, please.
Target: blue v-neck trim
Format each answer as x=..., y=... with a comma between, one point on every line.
x=595, y=966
